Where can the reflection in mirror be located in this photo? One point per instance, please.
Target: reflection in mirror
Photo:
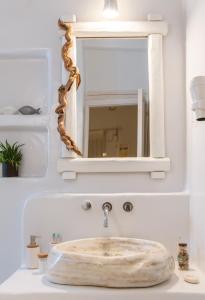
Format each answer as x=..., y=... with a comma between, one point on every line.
x=113, y=131
x=113, y=103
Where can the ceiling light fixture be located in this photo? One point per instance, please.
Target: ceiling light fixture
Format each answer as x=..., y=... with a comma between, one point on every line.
x=110, y=10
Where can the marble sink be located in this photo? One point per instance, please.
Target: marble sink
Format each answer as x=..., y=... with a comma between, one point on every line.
x=110, y=262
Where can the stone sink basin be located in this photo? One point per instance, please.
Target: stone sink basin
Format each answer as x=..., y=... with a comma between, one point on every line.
x=110, y=262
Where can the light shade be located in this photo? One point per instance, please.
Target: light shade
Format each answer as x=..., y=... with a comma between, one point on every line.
x=110, y=9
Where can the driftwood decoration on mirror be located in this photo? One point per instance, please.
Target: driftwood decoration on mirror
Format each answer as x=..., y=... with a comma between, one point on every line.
x=63, y=91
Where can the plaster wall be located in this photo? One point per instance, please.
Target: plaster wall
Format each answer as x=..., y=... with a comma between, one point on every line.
x=195, y=45
x=33, y=24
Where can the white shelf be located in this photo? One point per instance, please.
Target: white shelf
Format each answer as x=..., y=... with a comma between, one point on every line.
x=70, y=167
x=31, y=121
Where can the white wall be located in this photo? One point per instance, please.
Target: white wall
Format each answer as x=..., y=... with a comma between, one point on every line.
x=59, y=218
x=33, y=23
x=196, y=130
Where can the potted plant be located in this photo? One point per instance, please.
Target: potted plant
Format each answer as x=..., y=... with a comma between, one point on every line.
x=10, y=157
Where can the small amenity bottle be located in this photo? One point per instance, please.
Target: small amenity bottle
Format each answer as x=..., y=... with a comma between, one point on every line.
x=183, y=257
x=32, y=251
x=56, y=239
x=42, y=258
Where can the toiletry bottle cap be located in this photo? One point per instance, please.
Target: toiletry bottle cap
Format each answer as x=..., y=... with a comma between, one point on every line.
x=42, y=255
x=182, y=244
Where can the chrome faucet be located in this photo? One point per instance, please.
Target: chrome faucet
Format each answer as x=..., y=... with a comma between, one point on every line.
x=107, y=207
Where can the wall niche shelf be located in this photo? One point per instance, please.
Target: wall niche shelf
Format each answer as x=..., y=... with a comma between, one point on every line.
x=35, y=153
x=24, y=121
x=26, y=80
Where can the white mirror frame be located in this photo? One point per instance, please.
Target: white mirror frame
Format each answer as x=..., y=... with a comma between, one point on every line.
x=157, y=164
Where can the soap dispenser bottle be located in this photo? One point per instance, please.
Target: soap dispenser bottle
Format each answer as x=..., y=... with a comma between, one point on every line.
x=32, y=251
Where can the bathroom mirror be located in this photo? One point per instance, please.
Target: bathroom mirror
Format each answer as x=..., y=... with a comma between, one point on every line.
x=114, y=97
x=116, y=117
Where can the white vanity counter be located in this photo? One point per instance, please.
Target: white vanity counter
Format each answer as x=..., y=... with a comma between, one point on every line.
x=30, y=285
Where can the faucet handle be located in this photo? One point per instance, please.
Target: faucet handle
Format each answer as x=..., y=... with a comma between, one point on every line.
x=86, y=205
x=128, y=206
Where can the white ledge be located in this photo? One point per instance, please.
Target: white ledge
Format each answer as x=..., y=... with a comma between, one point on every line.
x=113, y=165
x=28, y=284
x=119, y=29
x=24, y=121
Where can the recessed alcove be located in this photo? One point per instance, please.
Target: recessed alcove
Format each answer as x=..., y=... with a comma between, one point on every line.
x=25, y=79
x=35, y=153
x=28, y=73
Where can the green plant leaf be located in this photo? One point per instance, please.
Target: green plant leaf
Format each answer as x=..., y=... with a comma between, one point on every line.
x=11, y=153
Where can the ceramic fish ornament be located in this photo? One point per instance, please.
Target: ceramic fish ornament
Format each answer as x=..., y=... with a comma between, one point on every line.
x=29, y=110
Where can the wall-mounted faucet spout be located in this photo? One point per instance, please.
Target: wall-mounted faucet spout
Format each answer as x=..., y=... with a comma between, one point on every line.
x=107, y=207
